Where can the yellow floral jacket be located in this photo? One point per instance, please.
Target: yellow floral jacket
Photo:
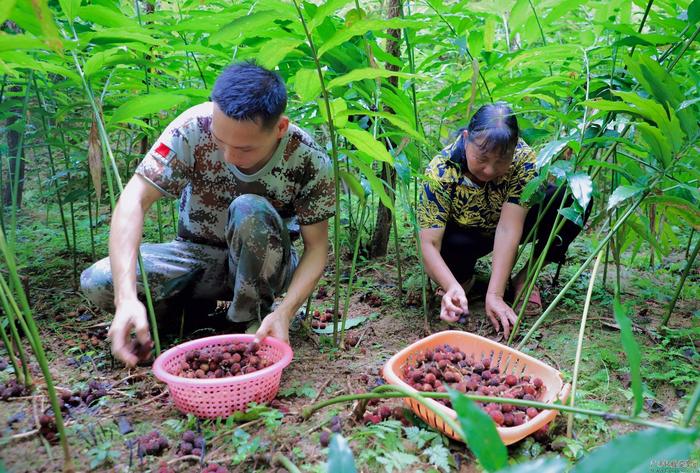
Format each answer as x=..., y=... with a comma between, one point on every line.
x=448, y=195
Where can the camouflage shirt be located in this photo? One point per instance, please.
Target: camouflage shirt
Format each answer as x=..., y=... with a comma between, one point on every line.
x=185, y=162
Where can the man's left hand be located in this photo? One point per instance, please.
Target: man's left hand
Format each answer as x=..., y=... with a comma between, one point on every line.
x=500, y=313
x=275, y=324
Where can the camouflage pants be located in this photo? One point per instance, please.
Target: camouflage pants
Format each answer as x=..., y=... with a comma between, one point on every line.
x=256, y=266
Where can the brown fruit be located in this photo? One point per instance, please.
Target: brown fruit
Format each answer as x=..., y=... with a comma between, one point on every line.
x=511, y=380
x=497, y=416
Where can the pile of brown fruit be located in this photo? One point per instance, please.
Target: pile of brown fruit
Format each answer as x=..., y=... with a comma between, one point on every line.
x=371, y=299
x=191, y=444
x=384, y=412
x=47, y=428
x=320, y=320
x=13, y=389
x=93, y=392
x=220, y=362
x=152, y=444
x=445, y=365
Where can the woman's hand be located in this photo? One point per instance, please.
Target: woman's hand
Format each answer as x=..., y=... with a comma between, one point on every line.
x=500, y=313
x=454, y=303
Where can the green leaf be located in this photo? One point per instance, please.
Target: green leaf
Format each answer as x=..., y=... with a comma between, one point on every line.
x=69, y=8
x=439, y=456
x=660, y=147
x=540, y=465
x=663, y=87
x=480, y=432
x=687, y=209
x=100, y=61
x=49, y=30
x=105, y=16
x=581, y=187
x=391, y=118
x=667, y=122
x=643, y=231
x=145, y=105
x=396, y=460
x=354, y=186
x=272, y=52
x=120, y=35
x=306, y=84
x=365, y=142
x=6, y=7
x=539, y=57
x=637, y=452
x=572, y=214
x=634, y=356
x=14, y=42
x=339, y=108
x=621, y=194
x=365, y=73
x=518, y=16
x=340, y=459
x=550, y=150
x=694, y=12
x=325, y=10
x=376, y=184
x=246, y=25
x=364, y=25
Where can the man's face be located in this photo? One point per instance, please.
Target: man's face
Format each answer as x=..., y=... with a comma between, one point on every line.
x=486, y=166
x=246, y=144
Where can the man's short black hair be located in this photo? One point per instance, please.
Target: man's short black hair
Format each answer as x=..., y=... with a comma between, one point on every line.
x=246, y=91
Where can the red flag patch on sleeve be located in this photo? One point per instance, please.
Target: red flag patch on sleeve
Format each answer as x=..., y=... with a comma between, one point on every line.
x=163, y=150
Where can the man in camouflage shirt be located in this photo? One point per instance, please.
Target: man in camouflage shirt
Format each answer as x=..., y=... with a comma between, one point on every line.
x=249, y=183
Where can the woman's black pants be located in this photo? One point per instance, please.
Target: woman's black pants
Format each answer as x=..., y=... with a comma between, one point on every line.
x=461, y=246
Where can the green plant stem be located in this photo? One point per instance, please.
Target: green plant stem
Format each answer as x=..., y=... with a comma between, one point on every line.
x=379, y=393
x=397, y=251
x=692, y=406
x=280, y=459
x=579, y=345
x=469, y=54
x=348, y=290
x=685, y=48
x=558, y=224
x=19, y=375
x=688, y=266
x=578, y=273
x=52, y=167
x=641, y=24
x=33, y=336
x=12, y=312
x=105, y=141
x=336, y=170
x=159, y=220
x=14, y=184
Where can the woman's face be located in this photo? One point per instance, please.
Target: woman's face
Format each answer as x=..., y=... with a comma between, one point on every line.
x=483, y=166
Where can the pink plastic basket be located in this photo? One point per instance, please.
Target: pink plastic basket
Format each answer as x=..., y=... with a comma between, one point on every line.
x=220, y=397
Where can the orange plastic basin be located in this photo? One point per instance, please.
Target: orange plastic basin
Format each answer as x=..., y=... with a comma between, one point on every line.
x=508, y=361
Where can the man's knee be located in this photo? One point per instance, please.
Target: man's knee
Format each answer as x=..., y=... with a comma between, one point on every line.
x=251, y=215
x=250, y=205
x=96, y=284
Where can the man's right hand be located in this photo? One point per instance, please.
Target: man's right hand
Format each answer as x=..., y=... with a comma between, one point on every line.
x=454, y=303
x=130, y=314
